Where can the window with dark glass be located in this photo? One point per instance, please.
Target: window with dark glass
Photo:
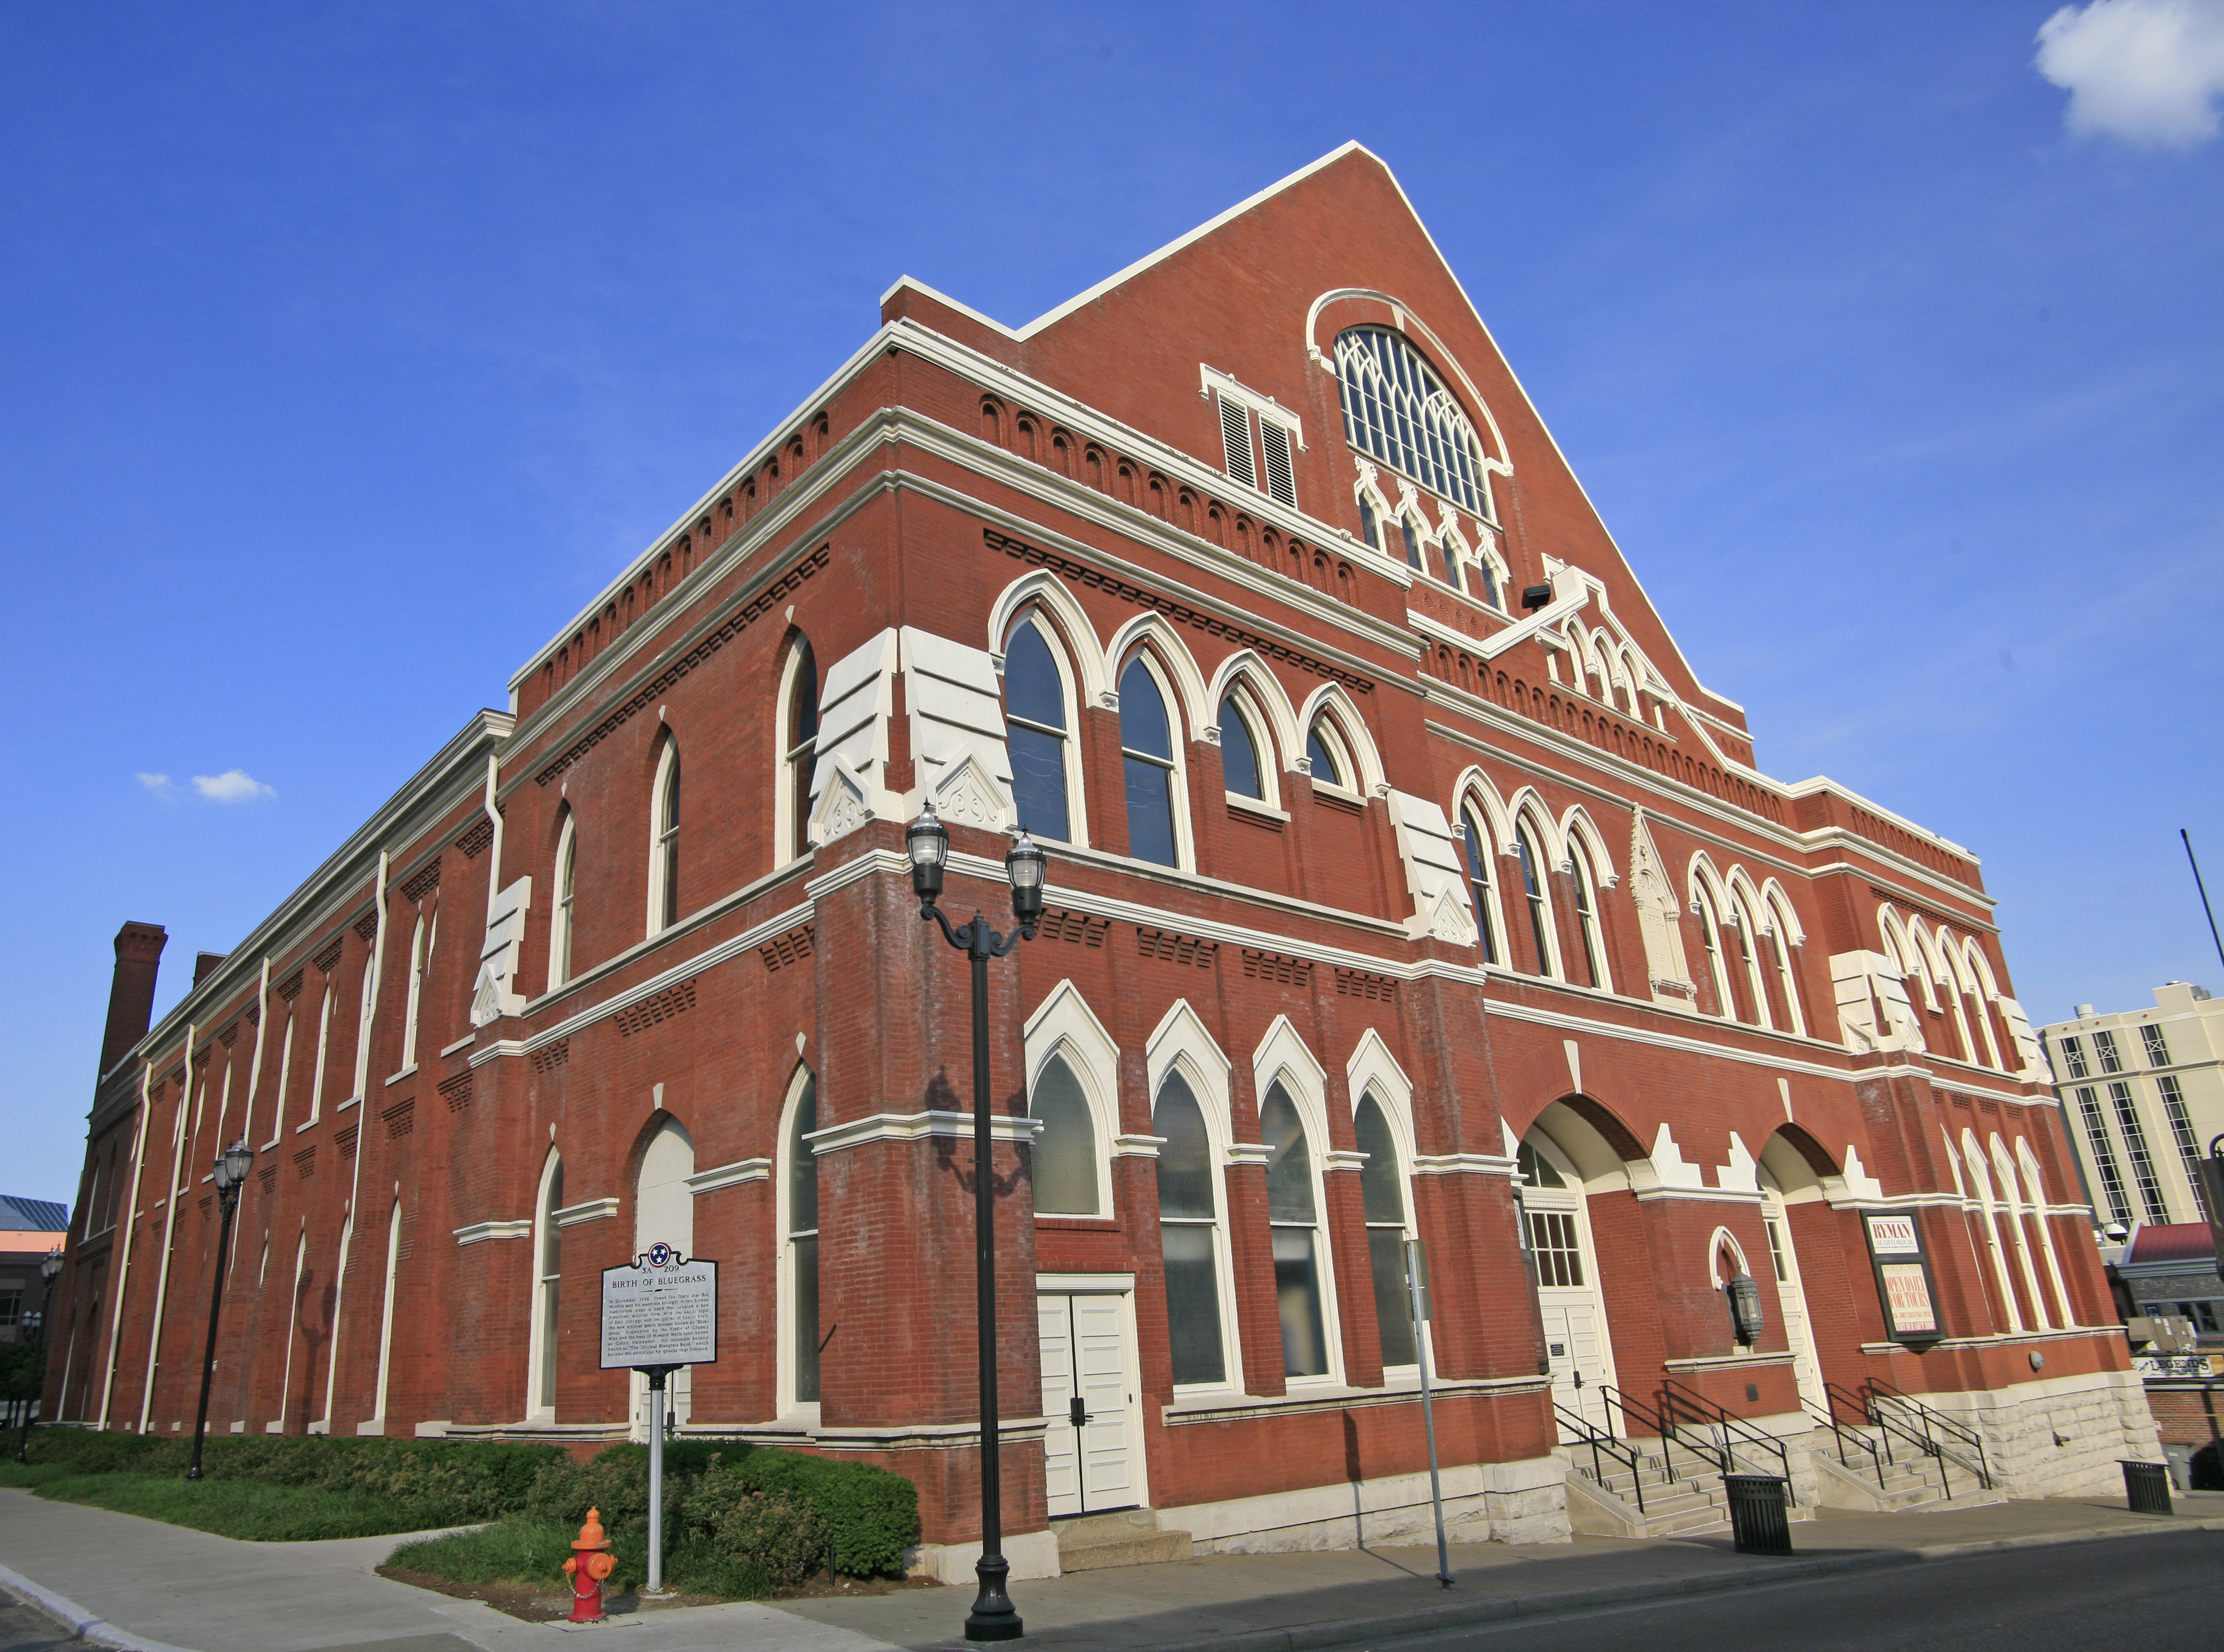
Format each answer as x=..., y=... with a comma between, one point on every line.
x=1478, y=883
x=1368, y=528
x=1188, y=1219
x=2157, y=1050
x=1382, y=1191
x=1239, y=752
x=1412, y=547
x=803, y=1242
x=1034, y=708
x=1066, y=1151
x=1295, y=1227
x=802, y=744
x=1326, y=770
x=1587, y=917
x=1147, y=756
x=1532, y=887
x=2104, y=1043
x=2073, y=1053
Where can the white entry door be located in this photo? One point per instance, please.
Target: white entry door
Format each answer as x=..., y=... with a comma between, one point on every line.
x=1577, y=1358
x=1798, y=1331
x=1089, y=1394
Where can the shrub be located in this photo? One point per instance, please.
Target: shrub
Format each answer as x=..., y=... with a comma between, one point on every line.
x=616, y=1482
x=871, y=1515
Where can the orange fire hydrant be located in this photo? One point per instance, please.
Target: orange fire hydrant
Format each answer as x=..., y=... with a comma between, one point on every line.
x=587, y=1569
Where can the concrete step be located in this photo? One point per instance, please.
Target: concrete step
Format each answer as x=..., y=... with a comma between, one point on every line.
x=1127, y=1537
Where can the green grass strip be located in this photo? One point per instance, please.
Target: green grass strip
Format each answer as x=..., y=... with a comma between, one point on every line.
x=249, y=1509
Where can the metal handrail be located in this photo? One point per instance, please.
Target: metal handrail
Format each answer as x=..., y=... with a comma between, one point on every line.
x=1878, y=1456
x=1931, y=1420
x=1673, y=1395
x=1607, y=1444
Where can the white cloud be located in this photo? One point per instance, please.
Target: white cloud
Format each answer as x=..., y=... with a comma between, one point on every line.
x=157, y=783
x=2148, y=72
x=233, y=786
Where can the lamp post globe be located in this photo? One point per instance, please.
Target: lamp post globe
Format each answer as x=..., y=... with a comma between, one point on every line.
x=926, y=840
x=1026, y=867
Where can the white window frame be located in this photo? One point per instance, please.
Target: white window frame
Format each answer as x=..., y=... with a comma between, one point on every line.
x=663, y=840
x=1176, y=741
x=413, y=1001
x=560, y=919
x=1226, y=393
x=547, y=1295
x=783, y=1163
x=1255, y=722
x=1076, y=800
x=1181, y=1043
x=793, y=799
x=1546, y=925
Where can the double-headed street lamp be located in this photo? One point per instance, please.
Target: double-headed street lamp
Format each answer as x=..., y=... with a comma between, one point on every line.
x=50, y=1269
x=928, y=840
x=231, y=1167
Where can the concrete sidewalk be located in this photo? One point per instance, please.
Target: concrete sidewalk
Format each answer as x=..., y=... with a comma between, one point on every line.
x=161, y=1588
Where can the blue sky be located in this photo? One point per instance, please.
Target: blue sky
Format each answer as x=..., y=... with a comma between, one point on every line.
x=344, y=351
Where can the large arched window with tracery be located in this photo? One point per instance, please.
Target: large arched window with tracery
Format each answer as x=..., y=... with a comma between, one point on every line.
x=1397, y=411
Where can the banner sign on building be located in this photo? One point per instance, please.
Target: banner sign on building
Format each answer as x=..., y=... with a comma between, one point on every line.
x=1903, y=1275
x=661, y=1310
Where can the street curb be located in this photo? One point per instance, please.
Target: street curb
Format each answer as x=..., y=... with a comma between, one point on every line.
x=1349, y=1632
x=75, y=1619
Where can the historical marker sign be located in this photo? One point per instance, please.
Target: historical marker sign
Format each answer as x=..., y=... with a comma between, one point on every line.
x=661, y=1310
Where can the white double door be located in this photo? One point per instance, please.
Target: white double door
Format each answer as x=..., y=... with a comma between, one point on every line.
x=1091, y=1448
x=1577, y=1352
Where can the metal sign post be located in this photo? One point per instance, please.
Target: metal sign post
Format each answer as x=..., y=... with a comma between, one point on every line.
x=1417, y=1286
x=660, y=1315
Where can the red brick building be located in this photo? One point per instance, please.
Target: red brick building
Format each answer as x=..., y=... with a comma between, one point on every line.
x=1406, y=882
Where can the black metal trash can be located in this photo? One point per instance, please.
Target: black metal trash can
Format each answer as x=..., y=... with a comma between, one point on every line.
x=2146, y=1486
x=1760, y=1519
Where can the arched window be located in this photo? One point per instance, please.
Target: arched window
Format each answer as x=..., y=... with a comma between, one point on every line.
x=1532, y=888
x=1034, y=710
x=364, y=1012
x=567, y=883
x=1369, y=530
x=1980, y=1184
x=1743, y=928
x=1413, y=557
x=547, y=1277
x=1397, y=410
x=1780, y=943
x=800, y=744
x=1148, y=755
x=1239, y=752
x=1292, y=1215
x=1382, y=1188
x=1066, y=1152
x=664, y=841
x=1189, y=1220
x=1331, y=765
x=416, y=994
x=323, y=1053
x=1711, y=937
x=802, y=1227
x=386, y=1311
x=1476, y=842
x=1587, y=917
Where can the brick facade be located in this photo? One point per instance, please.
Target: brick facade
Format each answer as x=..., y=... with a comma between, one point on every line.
x=954, y=479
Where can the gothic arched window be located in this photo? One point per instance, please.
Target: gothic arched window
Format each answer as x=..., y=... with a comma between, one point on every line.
x=1147, y=756
x=1189, y=1224
x=1382, y=1189
x=1066, y=1152
x=1396, y=411
x=1035, y=715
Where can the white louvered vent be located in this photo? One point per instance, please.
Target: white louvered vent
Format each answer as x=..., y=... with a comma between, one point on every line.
x=1236, y=436
x=1279, y=481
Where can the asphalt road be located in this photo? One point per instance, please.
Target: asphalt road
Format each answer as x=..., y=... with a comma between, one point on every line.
x=23, y=1630
x=2162, y=1591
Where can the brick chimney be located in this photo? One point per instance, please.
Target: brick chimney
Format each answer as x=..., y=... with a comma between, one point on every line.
x=132, y=995
x=205, y=965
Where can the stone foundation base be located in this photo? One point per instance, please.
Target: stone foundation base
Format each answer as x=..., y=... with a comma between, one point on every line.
x=1521, y=1502
x=1032, y=1555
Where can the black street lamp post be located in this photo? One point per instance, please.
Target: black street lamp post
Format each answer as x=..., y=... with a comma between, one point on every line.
x=50, y=1269
x=993, y=1616
x=231, y=1167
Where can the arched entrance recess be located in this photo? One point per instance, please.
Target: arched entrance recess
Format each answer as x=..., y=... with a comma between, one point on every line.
x=664, y=1211
x=1564, y=1158
x=1787, y=1177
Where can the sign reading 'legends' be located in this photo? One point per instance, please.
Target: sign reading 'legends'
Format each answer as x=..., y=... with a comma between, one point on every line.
x=661, y=1310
